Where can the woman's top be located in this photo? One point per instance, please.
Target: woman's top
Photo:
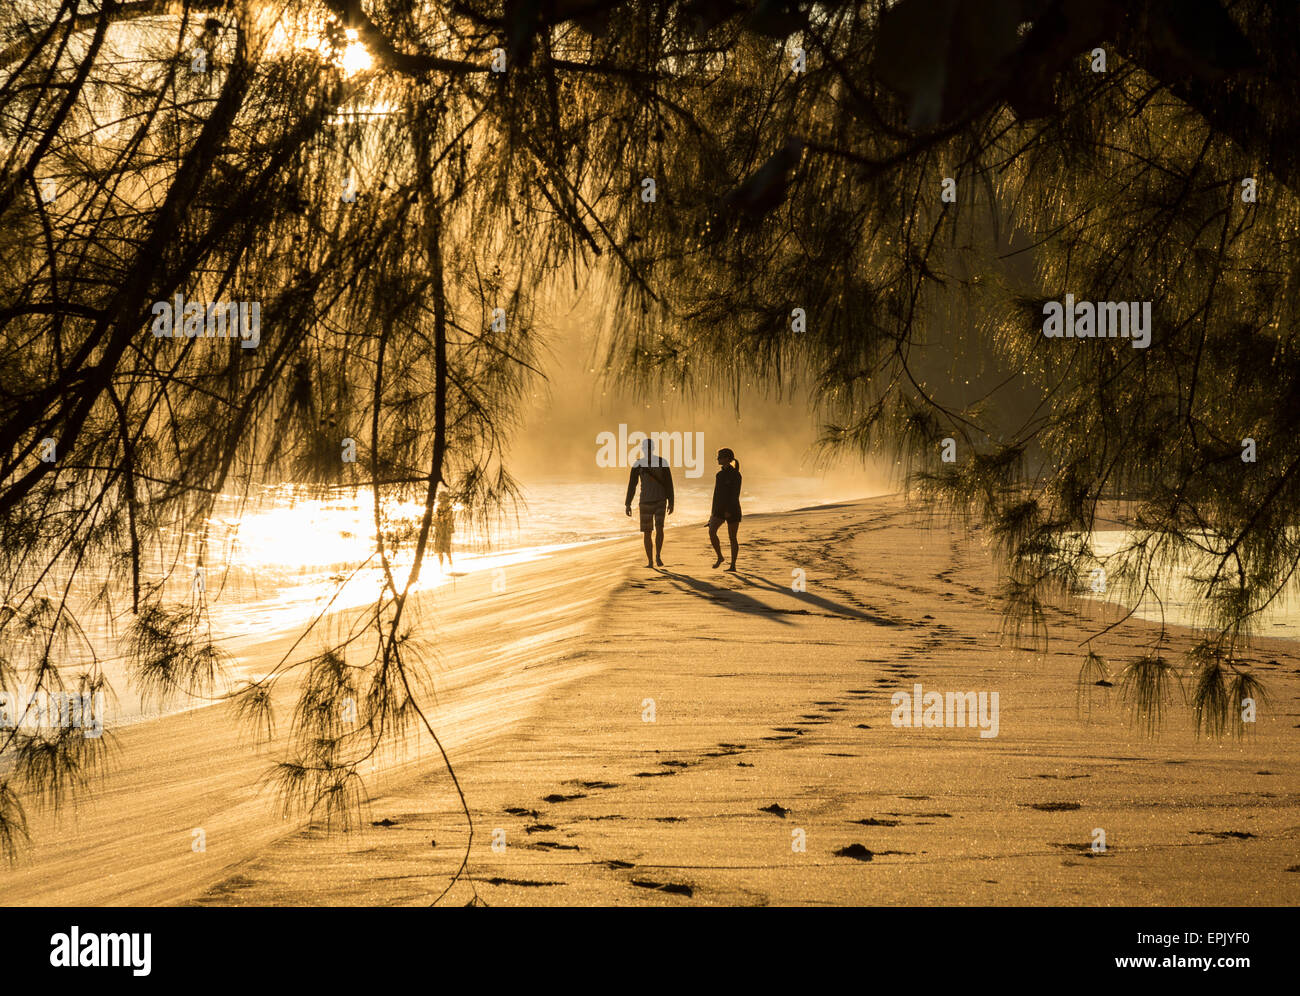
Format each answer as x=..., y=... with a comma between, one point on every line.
x=726, y=493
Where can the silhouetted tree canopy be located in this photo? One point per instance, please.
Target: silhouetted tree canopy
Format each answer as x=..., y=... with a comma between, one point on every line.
x=798, y=154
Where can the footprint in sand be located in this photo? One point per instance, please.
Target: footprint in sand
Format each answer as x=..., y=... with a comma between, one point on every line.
x=856, y=851
x=557, y=797
x=1064, y=778
x=925, y=816
x=1085, y=849
x=1052, y=807
x=671, y=887
x=776, y=809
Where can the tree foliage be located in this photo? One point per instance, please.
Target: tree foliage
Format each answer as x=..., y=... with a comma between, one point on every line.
x=798, y=153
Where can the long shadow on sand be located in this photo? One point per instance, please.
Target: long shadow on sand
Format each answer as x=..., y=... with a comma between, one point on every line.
x=739, y=601
x=826, y=604
x=727, y=597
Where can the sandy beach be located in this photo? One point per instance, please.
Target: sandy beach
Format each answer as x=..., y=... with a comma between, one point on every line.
x=626, y=736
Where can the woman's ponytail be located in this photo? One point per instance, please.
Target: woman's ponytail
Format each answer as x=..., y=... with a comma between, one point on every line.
x=736, y=464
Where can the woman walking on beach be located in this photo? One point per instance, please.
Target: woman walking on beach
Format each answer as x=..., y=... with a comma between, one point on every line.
x=443, y=527
x=726, y=505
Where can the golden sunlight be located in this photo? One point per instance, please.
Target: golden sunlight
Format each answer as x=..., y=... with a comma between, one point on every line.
x=356, y=57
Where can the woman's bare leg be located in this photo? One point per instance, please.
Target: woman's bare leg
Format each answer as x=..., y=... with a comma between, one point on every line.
x=717, y=548
x=732, y=529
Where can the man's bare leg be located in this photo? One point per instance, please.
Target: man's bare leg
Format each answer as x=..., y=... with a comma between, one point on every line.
x=649, y=551
x=659, y=544
x=717, y=547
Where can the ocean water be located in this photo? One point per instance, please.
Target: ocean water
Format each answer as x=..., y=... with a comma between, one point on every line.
x=1175, y=600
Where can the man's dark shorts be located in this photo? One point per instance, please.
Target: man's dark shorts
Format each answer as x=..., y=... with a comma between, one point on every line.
x=652, y=514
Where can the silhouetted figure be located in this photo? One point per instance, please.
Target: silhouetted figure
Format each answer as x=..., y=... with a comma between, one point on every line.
x=656, y=479
x=443, y=527
x=726, y=505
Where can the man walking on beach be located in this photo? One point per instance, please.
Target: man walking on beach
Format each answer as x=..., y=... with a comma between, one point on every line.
x=656, y=479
